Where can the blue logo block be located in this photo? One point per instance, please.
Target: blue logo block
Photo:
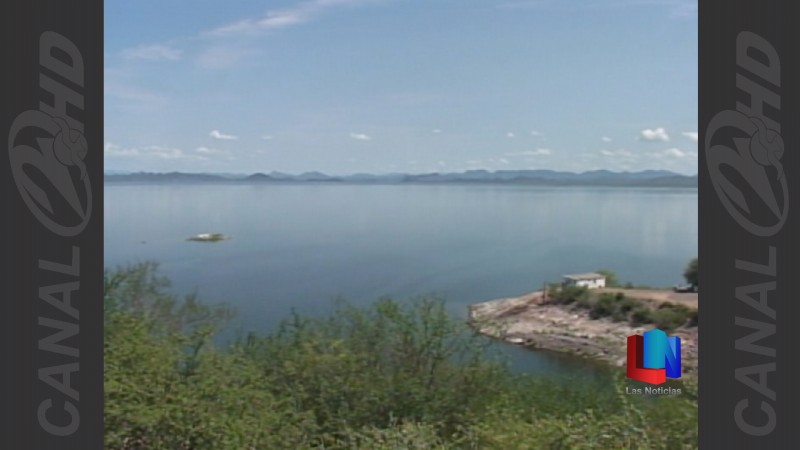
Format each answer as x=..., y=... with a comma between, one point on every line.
x=662, y=352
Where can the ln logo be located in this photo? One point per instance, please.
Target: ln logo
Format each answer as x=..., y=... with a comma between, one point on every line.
x=654, y=357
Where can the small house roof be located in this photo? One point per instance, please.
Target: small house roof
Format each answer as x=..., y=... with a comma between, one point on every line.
x=584, y=276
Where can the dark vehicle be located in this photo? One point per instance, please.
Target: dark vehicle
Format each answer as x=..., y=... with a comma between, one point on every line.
x=685, y=288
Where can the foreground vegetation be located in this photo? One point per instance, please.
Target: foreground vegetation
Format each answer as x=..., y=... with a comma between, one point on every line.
x=395, y=375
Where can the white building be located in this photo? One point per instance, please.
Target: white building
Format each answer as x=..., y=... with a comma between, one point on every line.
x=588, y=280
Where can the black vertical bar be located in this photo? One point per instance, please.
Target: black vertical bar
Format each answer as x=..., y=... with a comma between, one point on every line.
x=51, y=310
x=749, y=203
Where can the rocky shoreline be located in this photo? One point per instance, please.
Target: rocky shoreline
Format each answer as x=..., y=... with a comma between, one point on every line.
x=531, y=321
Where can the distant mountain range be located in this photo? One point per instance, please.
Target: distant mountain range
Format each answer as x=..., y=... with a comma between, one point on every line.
x=647, y=178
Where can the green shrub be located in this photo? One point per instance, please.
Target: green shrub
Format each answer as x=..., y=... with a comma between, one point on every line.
x=641, y=315
x=670, y=316
x=628, y=304
x=369, y=366
x=571, y=294
x=166, y=387
x=604, y=305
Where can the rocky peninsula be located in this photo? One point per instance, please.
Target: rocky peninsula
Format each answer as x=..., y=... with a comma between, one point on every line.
x=537, y=320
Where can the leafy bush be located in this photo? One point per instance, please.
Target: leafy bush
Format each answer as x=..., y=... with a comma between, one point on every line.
x=669, y=316
x=641, y=315
x=166, y=387
x=604, y=305
x=571, y=294
x=409, y=361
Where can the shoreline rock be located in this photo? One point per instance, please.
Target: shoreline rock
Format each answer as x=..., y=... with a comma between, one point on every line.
x=208, y=237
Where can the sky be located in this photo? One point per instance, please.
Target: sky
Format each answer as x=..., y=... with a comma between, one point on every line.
x=411, y=86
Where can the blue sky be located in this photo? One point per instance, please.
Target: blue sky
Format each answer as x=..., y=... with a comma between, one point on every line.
x=346, y=86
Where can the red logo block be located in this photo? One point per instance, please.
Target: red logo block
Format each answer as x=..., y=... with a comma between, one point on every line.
x=636, y=369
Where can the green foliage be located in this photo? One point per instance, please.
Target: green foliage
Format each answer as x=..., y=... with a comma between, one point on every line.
x=554, y=290
x=691, y=272
x=398, y=436
x=619, y=308
x=612, y=280
x=166, y=387
x=392, y=376
x=670, y=316
x=140, y=291
x=370, y=366
x=641, y=315
x=625, y=424
x=572, y=294
x=605, y=305
x=667, y=316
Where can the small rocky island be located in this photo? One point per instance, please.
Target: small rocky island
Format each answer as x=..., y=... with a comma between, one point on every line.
x=587, y=318
x=208, y=237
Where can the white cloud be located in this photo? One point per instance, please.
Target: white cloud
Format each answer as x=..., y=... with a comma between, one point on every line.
x=537, y=152
x=693, y=135
x=272, y=20
x=284, y=18
x=209, y=151
x=509, y=135
x=654, y=135
x=536, y=133
x=115, y=150
x=360, y=137
x=502, y=161
x=165, y=152
x=219, y=52
x=675, y=153
x=206, y=153
x=436, y=131
x=151, y=151
x=619, y=154
x=267, y=137
x=605, y=139
x=159, y=155
x=216, y=134
x=155, y=52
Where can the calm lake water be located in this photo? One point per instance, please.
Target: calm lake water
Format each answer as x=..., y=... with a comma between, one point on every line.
x=299, y=246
